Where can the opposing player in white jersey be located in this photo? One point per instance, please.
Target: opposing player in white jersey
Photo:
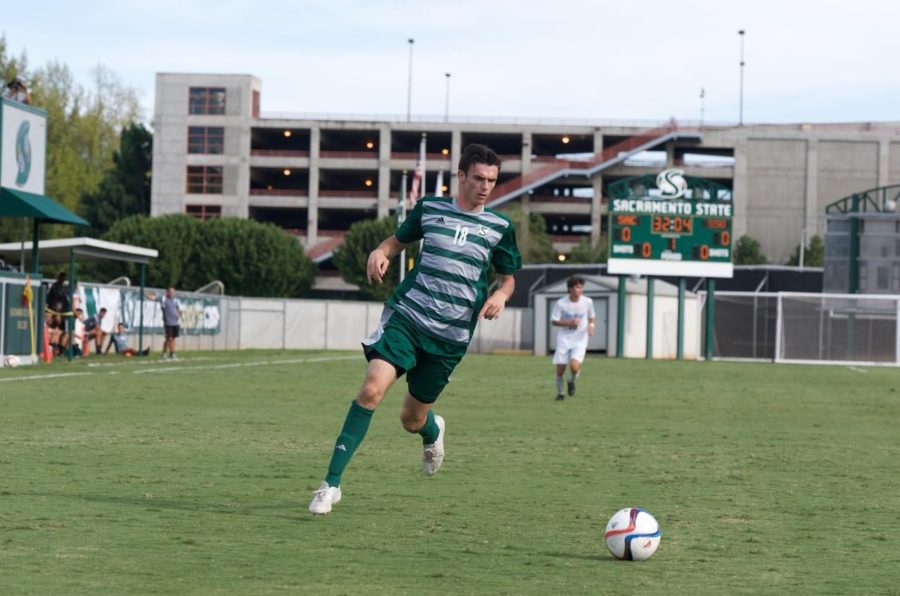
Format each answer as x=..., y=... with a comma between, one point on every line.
x=574, y=315
x=427, y=324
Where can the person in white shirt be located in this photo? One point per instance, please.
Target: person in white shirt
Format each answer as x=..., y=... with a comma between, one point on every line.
x=574, y=315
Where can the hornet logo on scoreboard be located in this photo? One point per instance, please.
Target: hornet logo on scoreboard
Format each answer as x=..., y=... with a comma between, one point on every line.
x=23, y=154
x=671, y=184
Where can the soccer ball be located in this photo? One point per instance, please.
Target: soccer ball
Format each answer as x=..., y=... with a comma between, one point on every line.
x=11, y=361
x=632, y=534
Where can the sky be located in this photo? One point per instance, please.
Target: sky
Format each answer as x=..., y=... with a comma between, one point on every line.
x=527, y=60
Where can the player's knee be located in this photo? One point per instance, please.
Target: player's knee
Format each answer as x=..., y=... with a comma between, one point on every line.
x=369, y=396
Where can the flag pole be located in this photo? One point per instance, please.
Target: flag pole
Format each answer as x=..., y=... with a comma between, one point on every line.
x=400, y=219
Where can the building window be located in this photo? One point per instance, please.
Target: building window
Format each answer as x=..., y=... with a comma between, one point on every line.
x=206, y=139
x=204, y=180
x=203, y=211
x=207, y=100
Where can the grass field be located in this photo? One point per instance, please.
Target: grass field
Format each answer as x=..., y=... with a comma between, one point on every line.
x=138, y=476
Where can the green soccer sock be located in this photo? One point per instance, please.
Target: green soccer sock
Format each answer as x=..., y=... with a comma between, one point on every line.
x=430, y=431
x=356, y=424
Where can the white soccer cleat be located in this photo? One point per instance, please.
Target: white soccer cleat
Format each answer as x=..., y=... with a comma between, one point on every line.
x=324, y=498
x=433, y=455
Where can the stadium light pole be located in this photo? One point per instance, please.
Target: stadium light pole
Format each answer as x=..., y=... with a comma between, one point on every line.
x=411, y=41
x=741, y=99
x=447, y=98
x=702, y=95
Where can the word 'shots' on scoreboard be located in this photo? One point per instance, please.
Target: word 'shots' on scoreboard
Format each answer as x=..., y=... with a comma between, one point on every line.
x=671, y=225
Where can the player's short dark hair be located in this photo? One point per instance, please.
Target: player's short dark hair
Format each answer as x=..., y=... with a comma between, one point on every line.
x=575, y=280
x=476, y=153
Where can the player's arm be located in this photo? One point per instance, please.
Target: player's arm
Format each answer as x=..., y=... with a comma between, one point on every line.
x=570, y=323
x=556, y=319
x=592, y=324
x=380, y=258
x=496, y=302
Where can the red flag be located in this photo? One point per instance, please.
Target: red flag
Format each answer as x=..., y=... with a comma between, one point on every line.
x=418, y=181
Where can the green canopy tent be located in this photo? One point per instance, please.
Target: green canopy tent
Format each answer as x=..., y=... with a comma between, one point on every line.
x=40, y=208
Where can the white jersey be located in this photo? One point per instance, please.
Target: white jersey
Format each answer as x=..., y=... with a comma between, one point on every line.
x=582, y=311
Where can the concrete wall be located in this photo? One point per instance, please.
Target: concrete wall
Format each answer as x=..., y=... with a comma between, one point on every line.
x=170, y=158
x=274, y=324
x=776, y=185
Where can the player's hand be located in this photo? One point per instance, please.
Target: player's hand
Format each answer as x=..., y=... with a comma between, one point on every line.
x=493, y=306
x=377, y=266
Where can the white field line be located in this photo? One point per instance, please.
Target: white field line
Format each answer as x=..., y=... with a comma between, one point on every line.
x=141, y=361
x=173, y=367
x=42, y=377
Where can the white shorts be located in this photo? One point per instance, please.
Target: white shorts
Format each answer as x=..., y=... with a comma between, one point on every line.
x=566, y=353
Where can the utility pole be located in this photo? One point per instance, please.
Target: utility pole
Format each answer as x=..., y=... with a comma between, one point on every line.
x=409, y=82
x=447, y=98
x=741, y=107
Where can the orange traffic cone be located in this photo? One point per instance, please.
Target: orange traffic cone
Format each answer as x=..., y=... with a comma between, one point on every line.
x=47, y=354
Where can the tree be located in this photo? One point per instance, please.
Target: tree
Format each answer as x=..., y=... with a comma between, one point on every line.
x=174, y=236
x=813, y=254
x=585, y=252
x=535, y=244
x=351, y=258
x=250, y=258
x=125, y=189
x=82, y=131
x=748, y=252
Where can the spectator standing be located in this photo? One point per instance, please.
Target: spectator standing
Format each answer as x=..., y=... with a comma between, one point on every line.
x=171, y=311
x=58, y=295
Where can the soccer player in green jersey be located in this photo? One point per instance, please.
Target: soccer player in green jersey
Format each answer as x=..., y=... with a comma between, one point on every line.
x=427, y=324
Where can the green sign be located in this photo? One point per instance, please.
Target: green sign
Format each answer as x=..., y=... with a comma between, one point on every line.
x=199, y=316
x=17, y=340
x=670, y=224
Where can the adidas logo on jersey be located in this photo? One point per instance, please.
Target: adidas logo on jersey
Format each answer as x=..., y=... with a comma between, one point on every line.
x=440, y=221
x=341, y=447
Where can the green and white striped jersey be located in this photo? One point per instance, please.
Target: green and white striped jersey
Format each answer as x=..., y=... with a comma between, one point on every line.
x=445, y=291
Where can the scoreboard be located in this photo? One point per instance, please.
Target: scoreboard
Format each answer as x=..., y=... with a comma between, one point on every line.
x=684, y=237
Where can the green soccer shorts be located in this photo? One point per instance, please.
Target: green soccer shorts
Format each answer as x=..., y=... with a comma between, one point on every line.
x=426, y=361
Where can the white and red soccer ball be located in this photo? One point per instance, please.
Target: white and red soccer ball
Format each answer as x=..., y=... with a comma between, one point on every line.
x=11, y=361
x=632, y=534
